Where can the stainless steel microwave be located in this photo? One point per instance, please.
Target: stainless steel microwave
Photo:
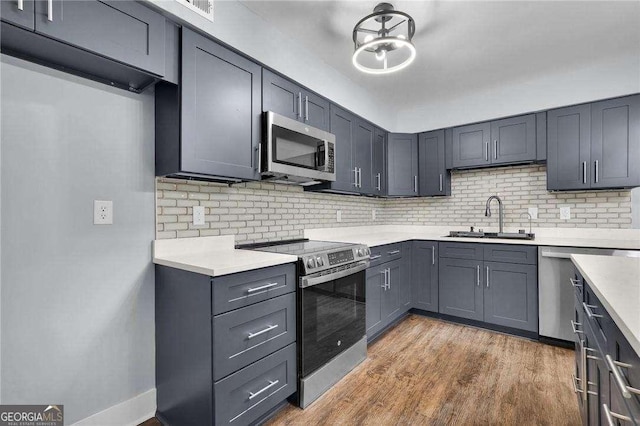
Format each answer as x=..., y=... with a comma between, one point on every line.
x=296, y=152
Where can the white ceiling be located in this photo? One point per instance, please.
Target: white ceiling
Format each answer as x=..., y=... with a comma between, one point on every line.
x=465, y=46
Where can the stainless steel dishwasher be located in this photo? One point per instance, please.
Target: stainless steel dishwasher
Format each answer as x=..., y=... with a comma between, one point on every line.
x=555, y=293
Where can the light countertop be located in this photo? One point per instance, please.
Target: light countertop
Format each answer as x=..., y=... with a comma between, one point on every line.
x=616, y=283
x=213, y=256
x=563, y=237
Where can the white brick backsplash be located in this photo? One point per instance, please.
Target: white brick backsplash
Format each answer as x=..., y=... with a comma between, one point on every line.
x=257, y=211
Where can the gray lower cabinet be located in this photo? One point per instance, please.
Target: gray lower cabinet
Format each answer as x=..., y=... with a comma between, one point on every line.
x=285, y=97
x=199, y=133
x=391, y=292
x=379, y=161
x=434, y=178
x=493, y=283
x=18, y=12
x=232, y=367
x=406, y=275
x=376, y=283
x=594, y=146
x=424, y=275
x=402, y=164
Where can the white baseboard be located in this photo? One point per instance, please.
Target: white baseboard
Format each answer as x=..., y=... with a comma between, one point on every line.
x=131, y=412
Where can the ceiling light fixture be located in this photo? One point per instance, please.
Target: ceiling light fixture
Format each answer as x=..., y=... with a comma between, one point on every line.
x=382, y=41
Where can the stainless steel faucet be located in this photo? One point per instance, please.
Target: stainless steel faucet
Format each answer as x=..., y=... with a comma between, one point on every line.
x=487, y=211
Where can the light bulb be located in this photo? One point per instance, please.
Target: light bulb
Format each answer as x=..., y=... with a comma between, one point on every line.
x=368, y=38
x=381, y=54
x=401, y=36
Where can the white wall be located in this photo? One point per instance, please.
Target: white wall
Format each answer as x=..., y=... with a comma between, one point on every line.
x=612, y=78
x=77, y=300
x=242, y=29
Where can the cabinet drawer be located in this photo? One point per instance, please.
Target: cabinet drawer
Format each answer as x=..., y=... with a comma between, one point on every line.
x=248, y=394
x=472, y=251
x=385, y=253
x=246, y=288
x=245, y=335
x=578, y=285
x=597, y=317
x=621, y=350
x=510, y=253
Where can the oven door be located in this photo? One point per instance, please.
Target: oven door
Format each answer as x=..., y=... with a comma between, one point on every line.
x=332, y=314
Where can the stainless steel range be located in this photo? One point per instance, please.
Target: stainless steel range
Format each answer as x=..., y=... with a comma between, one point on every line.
x=331, y=311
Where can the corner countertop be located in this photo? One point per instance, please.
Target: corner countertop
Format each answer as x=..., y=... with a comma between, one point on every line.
x=625, y=239
x=213, y=256
x=616, y=283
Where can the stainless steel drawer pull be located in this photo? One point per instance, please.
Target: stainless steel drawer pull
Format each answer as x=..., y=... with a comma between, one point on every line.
x=393, y=252
x=574, y=326
x=388, y=278
x=271, y=384
x=440, y=182
x=575, y=283
x=584, y=172
x=590, y=314
x=299, y=105
x=306, y=108
x=415, y=184
x=597, y=174
x=610, y=415
x=575, y=384
x=486, y=154
x=478, y=275
x=50, y=10
x=615, y=366
x=266, y=330
x=20, y=4
x=495, y=149
x=262, y=287
x=433, y=255
x=379, y=179
x=377, y=256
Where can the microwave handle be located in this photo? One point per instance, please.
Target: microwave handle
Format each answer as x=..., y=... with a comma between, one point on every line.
x=326, y=155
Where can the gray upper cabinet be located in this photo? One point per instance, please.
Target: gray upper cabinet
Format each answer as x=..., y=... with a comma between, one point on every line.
x=362, y=155
x=424, y=276
x=615, y=143
x=210, y=126
x=286, y=98
x=434, y=179
x=124, y=31
x=18, y=12
x=513, y=139
x=343, y=126
x=461, y=288
x=507, y=141
x=379, y=154
x=471, y=146
x=402, y=166
x=568, y=146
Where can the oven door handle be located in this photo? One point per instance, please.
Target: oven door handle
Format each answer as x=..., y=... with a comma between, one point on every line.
x=310, y=280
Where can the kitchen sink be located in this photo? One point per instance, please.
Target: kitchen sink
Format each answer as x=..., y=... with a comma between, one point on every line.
x=502, y=235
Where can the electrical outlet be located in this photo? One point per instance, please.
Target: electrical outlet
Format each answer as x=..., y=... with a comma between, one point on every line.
x=565, y=213
x=338, y=215
x=373, y=214
x=533, y=211
x=102, y=212
x=198, y=215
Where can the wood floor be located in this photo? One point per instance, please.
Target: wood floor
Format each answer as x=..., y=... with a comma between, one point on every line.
x=429, y=372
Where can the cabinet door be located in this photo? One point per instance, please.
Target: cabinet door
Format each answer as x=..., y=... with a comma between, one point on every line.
x=221, y=101
x=615, y=143
x=470, y=147
x=597, y=380
x=434, y=178
x=620, y=350
x=374, y=288
x=124, y=31
x=24, y=16
x=513, y=139
x=425, y=275
x=460, y=288
x=378, y=175
x=391, y=296
x=281, y=96
x=315, y=111
x=402, y=167
x=511, y=295
x=362, y=151
x=568, y=145
x=343, y=126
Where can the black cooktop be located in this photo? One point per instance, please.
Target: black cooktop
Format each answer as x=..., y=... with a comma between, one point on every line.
x=296, y=247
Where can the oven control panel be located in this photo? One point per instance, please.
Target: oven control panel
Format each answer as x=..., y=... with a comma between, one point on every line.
x=331, y=259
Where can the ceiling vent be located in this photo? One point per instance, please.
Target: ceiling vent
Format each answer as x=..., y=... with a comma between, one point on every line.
x=201, y=7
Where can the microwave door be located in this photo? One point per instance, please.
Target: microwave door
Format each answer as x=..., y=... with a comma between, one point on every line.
x=296, y=150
